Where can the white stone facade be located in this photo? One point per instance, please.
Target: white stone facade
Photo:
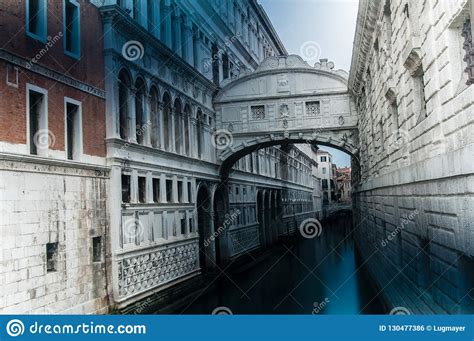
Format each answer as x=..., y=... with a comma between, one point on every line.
x=413, y=189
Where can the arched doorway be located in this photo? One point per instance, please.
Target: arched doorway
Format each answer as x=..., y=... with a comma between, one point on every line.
x=206, y=252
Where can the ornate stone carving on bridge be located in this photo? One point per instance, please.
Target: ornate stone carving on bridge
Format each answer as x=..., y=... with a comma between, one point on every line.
x=141, y=272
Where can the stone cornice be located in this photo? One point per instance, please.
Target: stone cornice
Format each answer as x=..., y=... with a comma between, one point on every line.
x=366, y=25
x=51, y=74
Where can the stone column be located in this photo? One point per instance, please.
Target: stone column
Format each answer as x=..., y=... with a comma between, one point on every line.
x=149, y=188
x=192, y=143
x=189, y=41
x=134, y=186
x=132, y=120
x=175, y=189
x=161, y=128
x=167, y=20
x=171, y=134
x=185, y=190
x=147, y=127
x=163, y=188
x=156, y=30
x=176, y=36
x=111, y=85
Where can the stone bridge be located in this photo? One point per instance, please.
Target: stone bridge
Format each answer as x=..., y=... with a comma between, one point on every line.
x=285, y=101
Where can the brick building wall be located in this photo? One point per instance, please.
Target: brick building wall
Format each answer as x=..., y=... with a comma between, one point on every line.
x=54, y=226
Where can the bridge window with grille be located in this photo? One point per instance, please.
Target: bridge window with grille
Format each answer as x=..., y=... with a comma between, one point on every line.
x=72, y=22
x=313, y=108
x=36, y=19
x=257, y=112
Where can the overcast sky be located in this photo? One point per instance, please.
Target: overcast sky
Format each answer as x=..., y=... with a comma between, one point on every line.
x=316, y=29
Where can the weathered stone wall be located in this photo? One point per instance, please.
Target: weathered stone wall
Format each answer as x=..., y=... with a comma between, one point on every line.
x=413, y=199
x=45, y=201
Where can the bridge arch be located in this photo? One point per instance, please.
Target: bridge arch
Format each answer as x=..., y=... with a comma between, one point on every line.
x=285, y=101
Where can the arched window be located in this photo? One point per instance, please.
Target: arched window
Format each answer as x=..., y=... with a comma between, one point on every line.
x=154, y=117
x=140, y=125
x=187, y=115
x=199, y=133
x=123, y=102
x=177, y=125
x=166, y=120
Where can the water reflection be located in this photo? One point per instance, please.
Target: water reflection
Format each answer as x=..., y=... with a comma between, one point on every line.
x=320, y=275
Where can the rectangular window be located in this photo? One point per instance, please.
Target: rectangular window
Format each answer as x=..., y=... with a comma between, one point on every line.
x=51, y=257
x=141, y=189
x=324, y=170
x=73, y=130
x=72, y=21
x=39, y=139
x=323, y=159
x=420, y=96
x=156, y=190
x=191, y=226
x=96, y=249
x=169, y=190
x=258, y=112
x=183, y=226
x=225, y=65
x=125, y=188
x=180, y=191
x=36, y=19
x=313, y=108
x=190, y=194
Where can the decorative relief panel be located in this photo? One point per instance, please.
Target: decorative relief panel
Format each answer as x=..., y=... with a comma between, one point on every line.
x=140, y=273
x=242, y=240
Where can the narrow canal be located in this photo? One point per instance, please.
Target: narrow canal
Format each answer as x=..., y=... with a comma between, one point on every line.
x=308, y=276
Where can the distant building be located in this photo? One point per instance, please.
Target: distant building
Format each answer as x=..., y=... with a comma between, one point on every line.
x=326, y=174
x=343, y=184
